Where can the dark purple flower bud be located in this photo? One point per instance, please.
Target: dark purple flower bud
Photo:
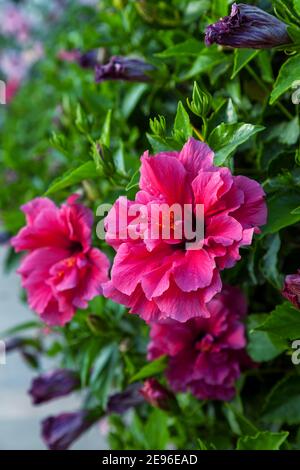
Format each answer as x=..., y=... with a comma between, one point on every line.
x=291, y=290
x=121, y=402
x=54, y=384
x=14, y=344
x=248, y=26
x=88, y=60
x=60, y=431
x=157, y=395
x=4, y=237
x=123, y=68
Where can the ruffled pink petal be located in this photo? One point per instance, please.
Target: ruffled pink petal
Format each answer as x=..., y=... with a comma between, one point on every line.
x=223, y=229
x=181, y=306
x=196, y=156
x=253, y=212
x=34, y=207
x=132, y=262
x=165, y=178
x=46, y=229
x=194, y=270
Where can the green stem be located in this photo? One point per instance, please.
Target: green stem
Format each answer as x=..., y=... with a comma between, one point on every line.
x=204, y=128
x=266, y=89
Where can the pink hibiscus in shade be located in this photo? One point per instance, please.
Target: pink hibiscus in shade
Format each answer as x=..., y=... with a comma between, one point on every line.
x=205, y=354
x=161, y=279
x=291, y=290
x=61, y=271
x=11, y=89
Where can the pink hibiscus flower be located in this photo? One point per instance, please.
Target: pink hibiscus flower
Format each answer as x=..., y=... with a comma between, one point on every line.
x=61, y=272
x=205, y=354
x=164, y=278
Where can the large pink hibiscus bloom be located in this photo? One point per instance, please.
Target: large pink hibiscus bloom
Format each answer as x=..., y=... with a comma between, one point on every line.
x=161, y=278
x=205, y=354
x=61, y=271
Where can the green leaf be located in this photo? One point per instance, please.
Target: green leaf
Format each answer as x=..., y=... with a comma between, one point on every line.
x=159, y=144
x=132, y=98
x=265, y=440
x=284, y=322
x=262, y=346
x=280, y=211
x=288, y=74
x=244, y=425
x=153, y=368
x=207, y=59
x=101, y=361
x=88, y=356
x=186, y=48
x=225, y=113
x=72, y=177
x=103, y=373
x=270, y=260
x=182, y=126
x=156, y=430
x=291, y=131
x=225, y=139
x=264, y=61
x=297, y=6
x=241, y=58
x=22, y=327
x=134, y=182
x=105, y=134
x=283, y=402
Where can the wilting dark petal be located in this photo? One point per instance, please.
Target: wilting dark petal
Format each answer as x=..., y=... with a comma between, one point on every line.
x=249, y=27
x=121, y=402
x=59, y=432
x=52, y=385
x=4, y=237
x=88, y=59
x=123, y=68
x=14, y=344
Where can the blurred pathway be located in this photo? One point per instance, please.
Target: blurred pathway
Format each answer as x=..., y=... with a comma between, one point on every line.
x=19, y=421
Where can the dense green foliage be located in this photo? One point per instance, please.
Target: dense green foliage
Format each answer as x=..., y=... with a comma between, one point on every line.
x=51, y=133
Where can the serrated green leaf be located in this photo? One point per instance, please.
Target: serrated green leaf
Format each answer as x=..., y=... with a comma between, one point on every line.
x=265, y=440
x=280, y=211
x=284, y=322
x=288, y=74
x=182, y=126
x=283, y=402
x=262, y=346
x=225, y=139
